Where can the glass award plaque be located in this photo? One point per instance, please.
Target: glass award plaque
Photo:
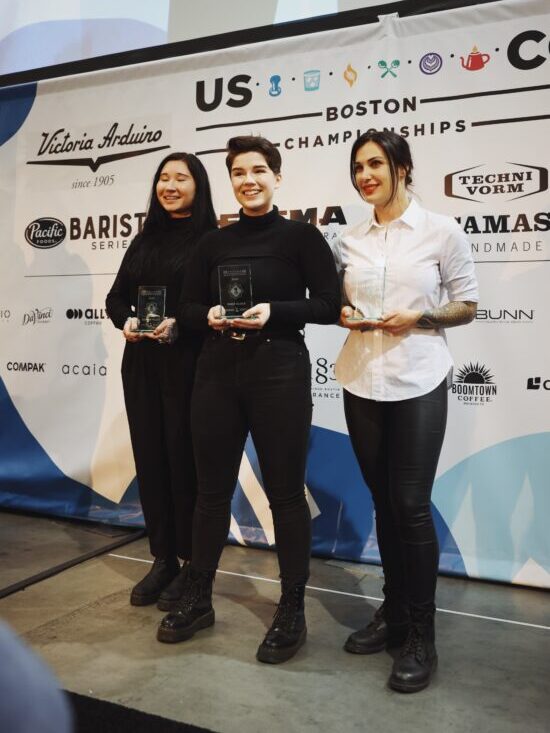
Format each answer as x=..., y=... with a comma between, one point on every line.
x=367, y=291
x=235, y=287
x=150, y=307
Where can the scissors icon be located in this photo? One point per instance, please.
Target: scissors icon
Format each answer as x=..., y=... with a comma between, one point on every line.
x=388, y=69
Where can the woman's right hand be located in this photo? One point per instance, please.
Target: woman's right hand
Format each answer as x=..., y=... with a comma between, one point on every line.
x=214, y=320
x=362, y=325
x=130, y=331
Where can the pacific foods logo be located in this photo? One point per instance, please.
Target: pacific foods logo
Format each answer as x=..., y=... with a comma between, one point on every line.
x=483, y=182
x=474, y=384
x=37, y=315
x=45, y=233
x=60, y=142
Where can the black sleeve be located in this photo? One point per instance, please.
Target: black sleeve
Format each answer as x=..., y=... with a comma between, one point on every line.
x=118, y=300
x=321, y=279
x=196, y=300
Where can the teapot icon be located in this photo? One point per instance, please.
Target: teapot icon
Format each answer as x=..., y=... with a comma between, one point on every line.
x=475, y=61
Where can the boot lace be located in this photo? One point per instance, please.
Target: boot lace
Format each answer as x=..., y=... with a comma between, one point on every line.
x=414, y=644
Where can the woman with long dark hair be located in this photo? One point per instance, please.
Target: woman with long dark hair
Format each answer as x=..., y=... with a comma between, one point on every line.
x=414, y=270
x=158, y=369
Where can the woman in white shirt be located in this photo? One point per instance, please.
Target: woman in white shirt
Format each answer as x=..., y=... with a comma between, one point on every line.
x=407, y=275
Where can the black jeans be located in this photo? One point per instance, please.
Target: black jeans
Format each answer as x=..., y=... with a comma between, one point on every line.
x=261, y=385
x=397, y=445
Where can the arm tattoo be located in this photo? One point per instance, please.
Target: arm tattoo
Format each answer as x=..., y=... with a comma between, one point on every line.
x=455, y=313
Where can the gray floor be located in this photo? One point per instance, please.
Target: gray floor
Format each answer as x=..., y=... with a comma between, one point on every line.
x=493, y=673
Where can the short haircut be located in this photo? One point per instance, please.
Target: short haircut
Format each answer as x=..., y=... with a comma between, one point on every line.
x=253, y=144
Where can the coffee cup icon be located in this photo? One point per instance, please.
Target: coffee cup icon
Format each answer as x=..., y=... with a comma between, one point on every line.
x=312, y=80
x=475, y=61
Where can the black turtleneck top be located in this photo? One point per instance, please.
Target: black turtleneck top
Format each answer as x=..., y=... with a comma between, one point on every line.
x=286, y=257
x=157, y=256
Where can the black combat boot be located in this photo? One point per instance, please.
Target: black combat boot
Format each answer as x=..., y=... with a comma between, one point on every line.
x=383, y=632
x=288, y=630
x=417, y=661
x=168, y=599
x=194, y=609
x=148, y=590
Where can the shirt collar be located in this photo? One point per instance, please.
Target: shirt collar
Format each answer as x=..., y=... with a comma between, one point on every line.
x=410, y=217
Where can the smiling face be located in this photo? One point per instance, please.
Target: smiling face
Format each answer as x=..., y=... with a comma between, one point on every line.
x=373, y=176
x=254, y=183
x=176, y=189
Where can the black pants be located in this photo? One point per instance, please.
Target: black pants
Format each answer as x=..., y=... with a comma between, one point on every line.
x=263, y=386
x=158, y=382
x=397, y=445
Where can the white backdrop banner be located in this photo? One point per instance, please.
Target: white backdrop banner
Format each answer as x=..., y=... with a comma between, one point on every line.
x=470, y=91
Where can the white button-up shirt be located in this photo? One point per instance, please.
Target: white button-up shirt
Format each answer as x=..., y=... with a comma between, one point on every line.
x=428, y=262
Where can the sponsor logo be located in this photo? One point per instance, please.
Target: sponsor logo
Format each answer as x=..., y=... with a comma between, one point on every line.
x=275, y=88
x=37, y=315
x=538, y=383
x=475, y=61
x=488, y=182
x=329, y=215
x=323, y=381
x=505, y=315
x=91, y=315
x=5, y=315
x=26, y=366
x=84, y=370
x=45, y=233
x=390, y=68
x=430, y=63
x=61, y=142
x=474, y=384
x=527, y=57
x=312, y=80
x=237, y=88
x=350, y=75
x=483, y=231
x=106, y=231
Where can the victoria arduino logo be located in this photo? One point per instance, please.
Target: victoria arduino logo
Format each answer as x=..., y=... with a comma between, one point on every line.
x=58, y=147
x=485, y=182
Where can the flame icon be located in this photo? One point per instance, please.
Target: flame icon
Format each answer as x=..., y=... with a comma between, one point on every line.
x=350, y=75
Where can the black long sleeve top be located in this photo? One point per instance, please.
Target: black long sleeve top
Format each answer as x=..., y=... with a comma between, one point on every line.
x=286, y=258
x=155, y=257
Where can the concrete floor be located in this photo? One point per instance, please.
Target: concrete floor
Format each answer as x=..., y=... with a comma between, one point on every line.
x=493, y=673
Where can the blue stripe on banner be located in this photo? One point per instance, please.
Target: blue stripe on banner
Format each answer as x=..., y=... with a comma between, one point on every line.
x=15, y=105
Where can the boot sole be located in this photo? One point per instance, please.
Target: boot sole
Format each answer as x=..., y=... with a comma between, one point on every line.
x=354, y=648
x=165, y=605
x=144, y=600
x=407, y=687
x=172, y=636
x=276, y=656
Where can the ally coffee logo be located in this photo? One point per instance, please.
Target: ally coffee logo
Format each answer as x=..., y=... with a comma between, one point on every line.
x=474, y=384
x=507, y=182
x=45, y=233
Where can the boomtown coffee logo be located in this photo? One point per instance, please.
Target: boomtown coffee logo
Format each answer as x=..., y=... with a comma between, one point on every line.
x=483, y=182
x=56, y=146
x=45, y=233
x=37, y=315
x=474, y=384
x=91, y=316
x=84, y=370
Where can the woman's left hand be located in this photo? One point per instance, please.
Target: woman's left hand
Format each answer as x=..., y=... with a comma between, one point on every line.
x=166, y=332
x=399, y=322
x=254, y=318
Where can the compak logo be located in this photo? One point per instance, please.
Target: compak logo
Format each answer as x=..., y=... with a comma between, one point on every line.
x=26, y=366
x=37, y=315
x=474, y=384
x=484, y=182
x=45, y=233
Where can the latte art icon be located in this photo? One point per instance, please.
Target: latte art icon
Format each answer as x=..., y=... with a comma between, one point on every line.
x=430, y=63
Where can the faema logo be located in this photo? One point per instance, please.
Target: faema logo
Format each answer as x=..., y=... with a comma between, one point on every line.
x=45, y=233
x=474, y=384
x=26, y=366
x=56, y=146
x=538, y=383
x=483, y=182
x=84, y=370
x=37, y=315
x=91, y=316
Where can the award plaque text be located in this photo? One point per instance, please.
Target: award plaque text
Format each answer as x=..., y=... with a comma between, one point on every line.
x=150, y=307
x=235, y=286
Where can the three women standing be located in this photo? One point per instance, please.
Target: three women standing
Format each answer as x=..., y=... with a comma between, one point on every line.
x=158, y=370
x=394, y=371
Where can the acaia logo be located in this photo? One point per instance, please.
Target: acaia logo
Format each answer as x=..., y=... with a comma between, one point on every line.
x=37, y=315
x=538, y=383
x=85, y=370
x=488, y=182
x=26, y=366
x=90, y=314
x=45, y=233
x=523, y=50
x=474, y=384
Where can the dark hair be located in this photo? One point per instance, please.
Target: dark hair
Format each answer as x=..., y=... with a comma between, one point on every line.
x=202, y=209
x=397, y=152
x=256, y=144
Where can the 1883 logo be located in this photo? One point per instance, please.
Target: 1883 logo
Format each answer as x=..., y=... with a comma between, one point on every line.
x=323, y=382
x=45, y=233
x=474, y=384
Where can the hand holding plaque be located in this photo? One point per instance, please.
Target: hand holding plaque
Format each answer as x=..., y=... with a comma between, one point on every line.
x=150, y=307
x=235, y=289
x=365, y=289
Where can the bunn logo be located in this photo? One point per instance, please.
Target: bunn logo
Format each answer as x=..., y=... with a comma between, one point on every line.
x=523, y=50
x=537, y=383
x=482, y=182
x=239, y=93
x=505, y=315
x=45, y=233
